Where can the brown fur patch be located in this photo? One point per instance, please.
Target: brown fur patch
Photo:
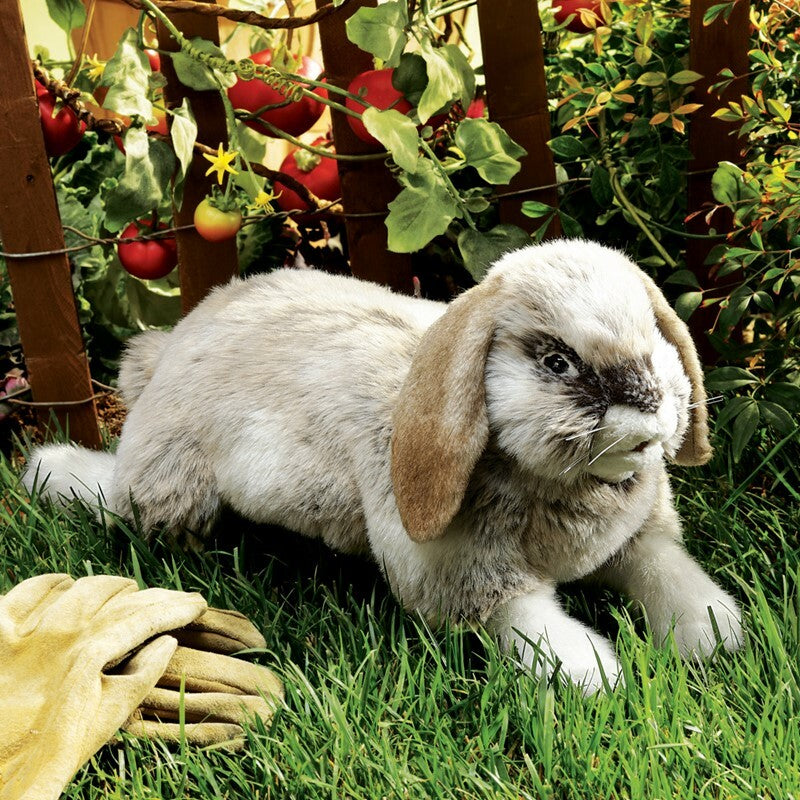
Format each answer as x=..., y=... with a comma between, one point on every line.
x=696, y=448
x=440, y=423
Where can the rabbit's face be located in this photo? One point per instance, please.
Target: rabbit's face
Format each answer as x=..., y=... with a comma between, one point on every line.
x=579, y=379
x=570, y=357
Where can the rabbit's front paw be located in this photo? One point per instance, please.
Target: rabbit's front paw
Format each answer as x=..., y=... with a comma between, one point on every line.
x=590, y=664
x=696, y=627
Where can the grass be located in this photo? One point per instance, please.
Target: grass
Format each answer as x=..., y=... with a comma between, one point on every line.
x=378, y=705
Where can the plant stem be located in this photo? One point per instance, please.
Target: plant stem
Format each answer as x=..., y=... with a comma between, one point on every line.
x=623, y=198
x=452, y=191
x=320, y=151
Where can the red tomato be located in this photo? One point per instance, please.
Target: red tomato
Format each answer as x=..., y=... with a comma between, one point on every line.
x=62, y=132
x=215, y=225
x=147, y=259
x=477, y=109
x=563, y=8
x=375, y=86
x=320, y=175
x=295, y=118
x=154, y=58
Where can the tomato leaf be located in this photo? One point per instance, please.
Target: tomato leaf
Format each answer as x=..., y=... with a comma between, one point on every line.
x=410, y=77
x=380, y=30
x=127, y=75
x=149, y=165
x=489, y=149
x=481, y=250
x=446, y=82
x=195, y=74
x=397, y=133
x=422, y=210
x=67, y=14
x=184, y=135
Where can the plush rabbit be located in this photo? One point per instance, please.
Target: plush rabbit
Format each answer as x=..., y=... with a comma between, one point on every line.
x=483, y=451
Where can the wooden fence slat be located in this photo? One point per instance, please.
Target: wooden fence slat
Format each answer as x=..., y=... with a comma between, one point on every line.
x=513, y=58
x=712, y=47
x=367, y=187
x=29, y=222
x=202, y=264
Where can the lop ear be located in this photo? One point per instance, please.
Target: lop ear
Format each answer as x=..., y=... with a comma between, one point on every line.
x=440, y=423
x=695, y=448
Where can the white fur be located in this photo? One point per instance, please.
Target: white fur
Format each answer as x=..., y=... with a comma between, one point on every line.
x=276, y=397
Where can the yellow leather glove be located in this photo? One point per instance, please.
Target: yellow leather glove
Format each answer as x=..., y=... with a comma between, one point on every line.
x=67, y=682
x=219, y=693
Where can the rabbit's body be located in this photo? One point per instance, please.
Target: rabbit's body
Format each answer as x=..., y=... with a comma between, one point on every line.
x=482, y=452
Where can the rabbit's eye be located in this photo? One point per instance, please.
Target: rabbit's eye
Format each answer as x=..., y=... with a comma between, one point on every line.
x=557, y=364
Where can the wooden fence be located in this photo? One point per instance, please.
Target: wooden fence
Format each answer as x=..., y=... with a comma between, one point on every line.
x=514, y=68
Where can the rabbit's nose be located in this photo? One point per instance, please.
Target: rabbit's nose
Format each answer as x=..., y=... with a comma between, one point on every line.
x=630, y=428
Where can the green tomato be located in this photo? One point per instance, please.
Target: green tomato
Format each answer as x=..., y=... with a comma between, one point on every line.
x=215, y=225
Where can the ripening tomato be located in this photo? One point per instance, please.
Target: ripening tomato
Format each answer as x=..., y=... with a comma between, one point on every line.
x=296, y=117
x=214, y=224
x=319, y=174
x=62, y=131
x=563, y=8
x=147, y=259
x=161, y=125
x=154, y=58
x=375, y=86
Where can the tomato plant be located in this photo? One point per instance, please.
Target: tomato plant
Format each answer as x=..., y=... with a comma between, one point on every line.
x=63, y=130
x=374, y=86
x=150, y=259
x=292, y=117
x=216, y=224
x=319, y=174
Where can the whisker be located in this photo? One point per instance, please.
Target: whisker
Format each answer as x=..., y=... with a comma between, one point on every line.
x=605, y=450
x=585, y=433
x=574, y=464
x=708, y=401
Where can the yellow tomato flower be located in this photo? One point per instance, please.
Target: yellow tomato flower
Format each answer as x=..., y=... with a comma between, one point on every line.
x=221, y=163
x=263, y=202
x=98, y=67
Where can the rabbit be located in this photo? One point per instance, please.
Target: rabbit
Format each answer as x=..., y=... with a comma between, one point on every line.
x=482, y=451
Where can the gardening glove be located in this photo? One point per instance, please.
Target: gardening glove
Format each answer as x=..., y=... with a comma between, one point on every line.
x=67, y=682
x=216, y=692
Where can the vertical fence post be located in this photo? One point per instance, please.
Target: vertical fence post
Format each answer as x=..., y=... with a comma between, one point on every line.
x=203, y=264
x=367, y=186
x=712, y=47
x=513, y=60
x=30, y=222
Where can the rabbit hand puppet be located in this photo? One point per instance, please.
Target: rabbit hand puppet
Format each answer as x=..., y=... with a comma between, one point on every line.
x=482, y=451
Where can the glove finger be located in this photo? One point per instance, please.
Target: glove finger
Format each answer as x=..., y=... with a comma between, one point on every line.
x=165, y=705
x=34, y=595
x=132, y=619
x=201, y=734
x=126, y=687
x=78, y=607
x=213, y=672
x=220, y=631
x=123, y=691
